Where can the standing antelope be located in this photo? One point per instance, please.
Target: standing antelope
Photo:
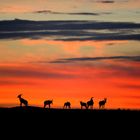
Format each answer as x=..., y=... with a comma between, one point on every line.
x=22, y=101
x=48, y=102
x=102, y=103
x=67, y=105
x=83, y=104
x=90, y=103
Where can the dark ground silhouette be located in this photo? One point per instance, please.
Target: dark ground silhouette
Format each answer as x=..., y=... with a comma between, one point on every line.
x=102, y=115
x=73, y=123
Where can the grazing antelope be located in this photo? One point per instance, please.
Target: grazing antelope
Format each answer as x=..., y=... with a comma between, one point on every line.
x=102, y=103
x=48, y=102
x=90, y=103
x=83, y=104
x=22, y=101
x=67, y=105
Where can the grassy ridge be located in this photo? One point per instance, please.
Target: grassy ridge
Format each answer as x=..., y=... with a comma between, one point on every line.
x=36, y=120
x=69, y=113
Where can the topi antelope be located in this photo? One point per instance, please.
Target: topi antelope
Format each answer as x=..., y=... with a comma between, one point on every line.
x=102, y=103
x=48, y=102
x=83, y=104
x=67, y=105
x=90, y=103
x=22, y=101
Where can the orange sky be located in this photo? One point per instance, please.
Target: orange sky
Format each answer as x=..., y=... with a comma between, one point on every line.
x=56, y=64
x=38, y=79
x=71, y=82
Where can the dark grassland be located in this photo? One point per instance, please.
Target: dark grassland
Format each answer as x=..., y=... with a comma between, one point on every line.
x=72, y=122
x=78, y=115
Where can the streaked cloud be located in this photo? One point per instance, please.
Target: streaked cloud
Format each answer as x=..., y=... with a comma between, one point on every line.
x=69, y=30
x=14, y=82
x=30, y=73
x=130, y=86
x=80, y=13
x=68, y=60
x=105, y=1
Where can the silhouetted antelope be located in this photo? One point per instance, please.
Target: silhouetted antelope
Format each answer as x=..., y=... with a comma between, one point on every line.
x=102, y=103
x=48, y=102
x=22, y=101
x=67, y=105
x=83, y=104
x=90, y=103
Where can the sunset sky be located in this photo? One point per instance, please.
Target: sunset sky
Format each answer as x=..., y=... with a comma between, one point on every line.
x=70, y=50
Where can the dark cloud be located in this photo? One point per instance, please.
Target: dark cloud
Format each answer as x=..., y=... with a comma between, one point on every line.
x=89, y=14
x=26, y=25
x=46, y=12
x=111, y=1
x=105, y=37
x=69, y=30
x=80, y=13
x=113, y=69
x=22, y=73
x=68, y=60
x=106, y=1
